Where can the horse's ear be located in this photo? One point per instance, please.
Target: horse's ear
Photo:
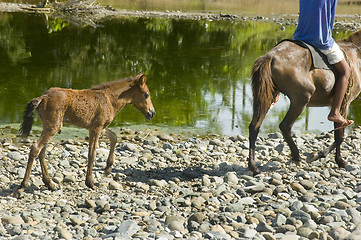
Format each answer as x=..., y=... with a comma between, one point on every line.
x=142, y=80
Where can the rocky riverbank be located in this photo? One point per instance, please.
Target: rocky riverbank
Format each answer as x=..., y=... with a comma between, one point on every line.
x=91, y=13
x=173, y=186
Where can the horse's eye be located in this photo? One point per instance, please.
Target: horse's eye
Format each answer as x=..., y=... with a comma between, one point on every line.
x=146, y=95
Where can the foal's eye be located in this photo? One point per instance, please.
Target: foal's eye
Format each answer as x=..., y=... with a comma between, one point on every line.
x=146, y=95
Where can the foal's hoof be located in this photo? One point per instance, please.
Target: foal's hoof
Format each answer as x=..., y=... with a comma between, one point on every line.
x=18, y=193
x=107, y=171
x=91, y=185
x=51, y=186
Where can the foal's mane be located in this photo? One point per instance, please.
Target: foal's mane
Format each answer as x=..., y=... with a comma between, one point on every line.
x=116, y=84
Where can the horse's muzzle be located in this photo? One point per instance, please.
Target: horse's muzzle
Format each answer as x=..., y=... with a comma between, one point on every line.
x=150, y=114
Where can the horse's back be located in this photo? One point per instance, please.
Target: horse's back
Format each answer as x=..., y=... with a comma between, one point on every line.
x=288, y=56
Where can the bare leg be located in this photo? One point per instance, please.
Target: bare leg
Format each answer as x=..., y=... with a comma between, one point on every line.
x=340, y=90
x=93, y=141
x=113, y=141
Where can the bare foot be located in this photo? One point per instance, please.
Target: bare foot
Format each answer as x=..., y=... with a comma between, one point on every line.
x=340, y=120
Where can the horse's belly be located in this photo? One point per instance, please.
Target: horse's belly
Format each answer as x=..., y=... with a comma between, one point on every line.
x=320, y=100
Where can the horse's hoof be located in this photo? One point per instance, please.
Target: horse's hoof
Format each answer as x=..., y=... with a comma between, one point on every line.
x=255, y=171
x=341, y=163
x=313, y=157
x=296, y=159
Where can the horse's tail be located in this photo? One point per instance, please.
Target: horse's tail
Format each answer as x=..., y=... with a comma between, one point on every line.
x=28, y=117
x=263, y=88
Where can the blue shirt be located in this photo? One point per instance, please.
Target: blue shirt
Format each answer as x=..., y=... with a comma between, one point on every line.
x=315, y=23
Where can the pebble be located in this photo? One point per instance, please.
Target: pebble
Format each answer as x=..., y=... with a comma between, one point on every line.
x=168, y=186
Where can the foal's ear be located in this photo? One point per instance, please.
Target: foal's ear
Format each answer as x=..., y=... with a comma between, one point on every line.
x=142, y=81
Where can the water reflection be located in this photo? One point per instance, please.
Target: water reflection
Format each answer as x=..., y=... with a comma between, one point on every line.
x=198, y=71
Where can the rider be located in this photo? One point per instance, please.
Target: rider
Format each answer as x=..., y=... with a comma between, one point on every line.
x=315, y=25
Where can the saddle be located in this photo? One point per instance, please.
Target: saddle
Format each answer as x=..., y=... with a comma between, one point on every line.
x=319, y=60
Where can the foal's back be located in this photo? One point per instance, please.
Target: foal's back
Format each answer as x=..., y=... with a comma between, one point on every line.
x=79, y=107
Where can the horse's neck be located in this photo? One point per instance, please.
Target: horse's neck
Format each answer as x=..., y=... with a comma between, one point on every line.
x=355, y=38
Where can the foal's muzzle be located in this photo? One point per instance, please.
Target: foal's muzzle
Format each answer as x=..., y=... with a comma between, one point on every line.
x=150, y=114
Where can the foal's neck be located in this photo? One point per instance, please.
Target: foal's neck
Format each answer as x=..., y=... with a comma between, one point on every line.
x=120, y=99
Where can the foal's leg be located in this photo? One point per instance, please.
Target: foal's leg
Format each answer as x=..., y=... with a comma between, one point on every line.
x=113, y=141
x=44, y=170
x=93, y=141
x=34, y=153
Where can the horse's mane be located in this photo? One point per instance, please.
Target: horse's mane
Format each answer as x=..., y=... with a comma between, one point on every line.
x=130, y=80
x=355, y=38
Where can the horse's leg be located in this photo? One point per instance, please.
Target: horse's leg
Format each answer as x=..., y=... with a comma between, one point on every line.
x=93, y=141
x=338, y=134
x=296, y=108
x=339, y=137
x=253, y=133
x=113, y=141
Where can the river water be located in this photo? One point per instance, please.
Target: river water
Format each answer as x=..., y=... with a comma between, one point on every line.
x=198, y=71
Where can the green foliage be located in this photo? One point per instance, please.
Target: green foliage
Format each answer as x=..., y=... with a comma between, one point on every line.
x=56, y=25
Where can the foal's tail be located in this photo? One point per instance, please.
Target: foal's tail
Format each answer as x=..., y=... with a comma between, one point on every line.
x=28, y=117
x=263, y=88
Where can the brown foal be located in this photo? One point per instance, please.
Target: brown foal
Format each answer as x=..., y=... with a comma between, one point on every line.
x=93, y=109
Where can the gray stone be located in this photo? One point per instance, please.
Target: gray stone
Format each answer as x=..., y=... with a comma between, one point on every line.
x=16, y=156
x=167, y=146
x=128, y=228
x=11, y=220
x=113, y=185
x=254, y=187
x=231, y=177
x=304, y=232
x=355, y=215
x=339, y=233
x=176, y=226
x=64, y=233
x=129, y=147
x=235, y=207
x=264, y=227
x=279, y=220
x=249, y=233
x=216, y=142
x=301, y=215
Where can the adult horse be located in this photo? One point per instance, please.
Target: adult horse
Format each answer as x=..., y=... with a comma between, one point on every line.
x=93, y=109
x=287, y=68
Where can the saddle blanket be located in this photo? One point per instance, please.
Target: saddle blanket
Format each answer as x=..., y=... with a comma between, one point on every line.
x=319, y=60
